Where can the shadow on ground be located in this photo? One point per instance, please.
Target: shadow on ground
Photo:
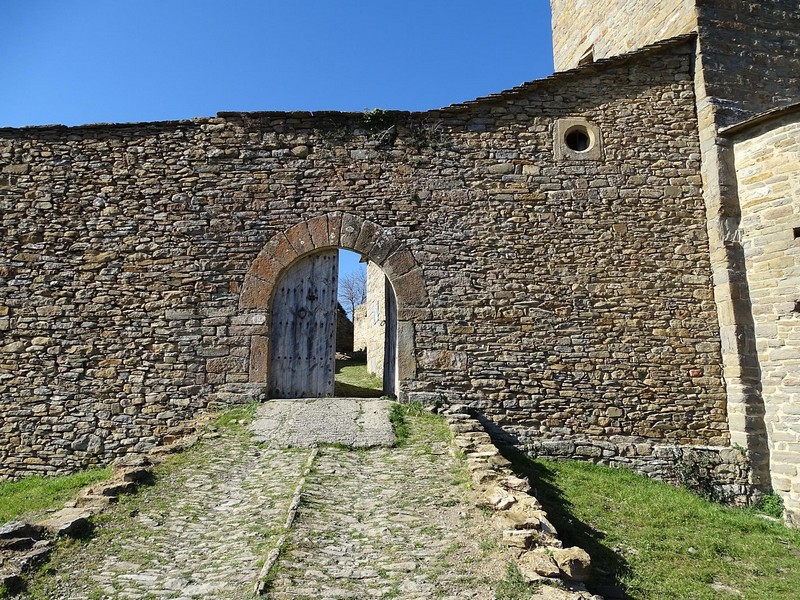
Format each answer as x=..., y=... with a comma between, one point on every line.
x=608, y=566
x=353, y=381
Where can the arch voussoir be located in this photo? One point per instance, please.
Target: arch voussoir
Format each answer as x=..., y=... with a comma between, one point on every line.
x=335, y=229
x=318, y=229
x=398, y=263
x=281, y=249
x=300, y=238
x=384, y=246
x=351, y=228
x=367, y=236
x=255, y=293
x=410, y=289
x=266, y=267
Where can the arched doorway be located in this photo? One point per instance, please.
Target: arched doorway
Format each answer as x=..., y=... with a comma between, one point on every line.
x=303, y=341
x=281, y=284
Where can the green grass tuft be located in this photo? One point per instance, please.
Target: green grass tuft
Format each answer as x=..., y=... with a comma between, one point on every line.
x=337, y=446
x=770, y=505
x=514, y=586
x=34, y=495
x=236, y=417
x=402, y=429
x=412, y=423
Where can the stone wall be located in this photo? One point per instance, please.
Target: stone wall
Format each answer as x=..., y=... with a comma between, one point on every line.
x=370, y=321
x=718, y=473
x=749, y=53
x=344, y=331
x=768, y=174
x=359, y=328
x=612, y=27
x=747, y=63
x=749, y=49
x=564, y=296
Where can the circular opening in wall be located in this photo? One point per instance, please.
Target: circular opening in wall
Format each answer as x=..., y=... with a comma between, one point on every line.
x=577, y=139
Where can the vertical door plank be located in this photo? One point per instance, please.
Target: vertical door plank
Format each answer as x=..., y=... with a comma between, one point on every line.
x=304, y=328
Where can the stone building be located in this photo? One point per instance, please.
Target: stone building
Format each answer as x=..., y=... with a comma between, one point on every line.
x=746, y=87
x=602, y=263
x=766, y=152
x=369, y=321
x=344, y=331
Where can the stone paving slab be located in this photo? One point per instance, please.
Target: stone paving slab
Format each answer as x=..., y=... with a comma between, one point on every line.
x=304, y=423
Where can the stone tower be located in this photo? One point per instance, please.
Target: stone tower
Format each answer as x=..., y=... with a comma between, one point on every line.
x=748, y=51
x=747, y=76
x=586, y=30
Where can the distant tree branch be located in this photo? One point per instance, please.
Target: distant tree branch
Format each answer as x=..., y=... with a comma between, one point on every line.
x=353, y=290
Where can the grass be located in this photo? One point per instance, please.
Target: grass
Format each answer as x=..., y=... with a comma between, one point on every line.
x=237, y=417
x=659, y=542
x=354, y=381
x=770, y=505
x=34, y=495
x=514, y=586
x=427, y=426
x=402, y=429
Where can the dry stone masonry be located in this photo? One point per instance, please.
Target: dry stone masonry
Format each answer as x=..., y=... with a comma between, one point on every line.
x=567, y=255
x=567, y=299
x=742, y=82
x=539, y=553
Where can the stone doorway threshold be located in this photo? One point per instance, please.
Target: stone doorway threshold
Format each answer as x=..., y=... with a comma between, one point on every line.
x=309, y=422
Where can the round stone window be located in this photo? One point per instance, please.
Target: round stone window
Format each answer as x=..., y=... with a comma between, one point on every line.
x=578, y=139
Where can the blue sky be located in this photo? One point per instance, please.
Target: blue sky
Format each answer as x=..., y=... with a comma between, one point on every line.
x=88, y=61
x=92, y=61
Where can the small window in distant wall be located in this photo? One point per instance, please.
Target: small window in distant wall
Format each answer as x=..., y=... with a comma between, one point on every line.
x=577, y=139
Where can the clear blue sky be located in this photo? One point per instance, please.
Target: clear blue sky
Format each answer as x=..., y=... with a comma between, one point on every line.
x=92, y=61
x=89, y=61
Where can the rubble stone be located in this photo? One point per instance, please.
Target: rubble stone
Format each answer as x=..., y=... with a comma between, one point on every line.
x=574, y=562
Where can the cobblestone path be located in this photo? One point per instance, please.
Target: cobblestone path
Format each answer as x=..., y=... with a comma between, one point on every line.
x=202, y=532
x=388, y=523
x=379, y=523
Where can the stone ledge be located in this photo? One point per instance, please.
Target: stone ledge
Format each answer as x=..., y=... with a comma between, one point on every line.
x=540, y=555
x=722, y=473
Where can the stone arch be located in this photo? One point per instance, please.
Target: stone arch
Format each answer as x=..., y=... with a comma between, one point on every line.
x=349, y=232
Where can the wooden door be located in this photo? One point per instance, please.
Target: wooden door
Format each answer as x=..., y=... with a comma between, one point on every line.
x=390, y=340
x=303, y=336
